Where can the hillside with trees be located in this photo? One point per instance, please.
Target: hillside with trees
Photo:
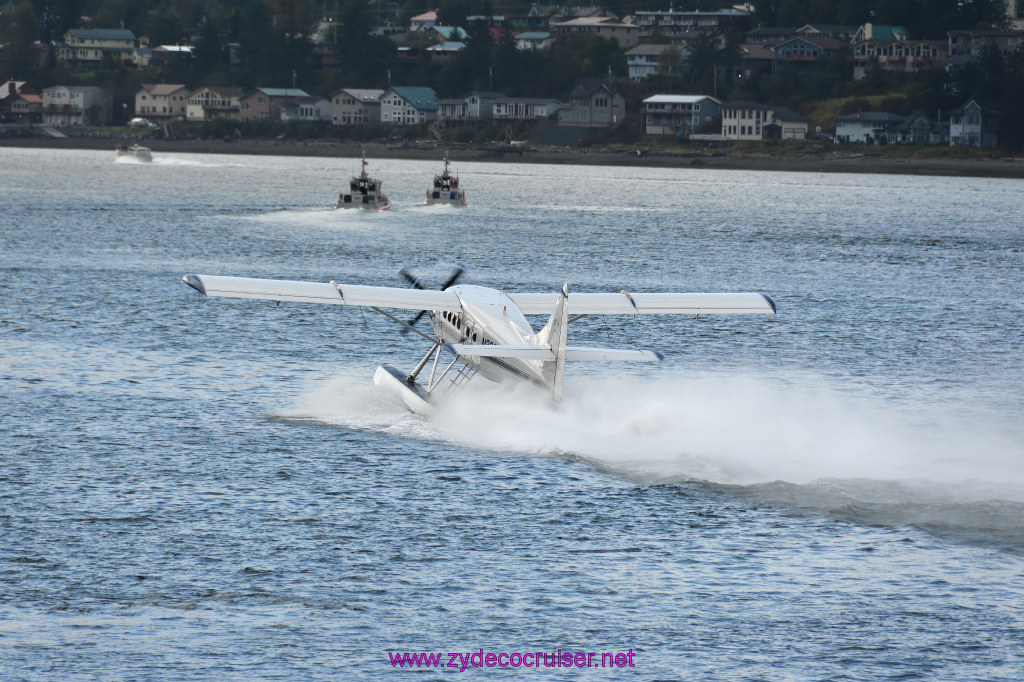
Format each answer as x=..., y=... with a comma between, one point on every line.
x=250, y=43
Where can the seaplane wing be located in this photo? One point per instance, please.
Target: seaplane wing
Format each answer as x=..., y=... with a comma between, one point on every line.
x=625, y=303
x=324, y=292
x=545, y=354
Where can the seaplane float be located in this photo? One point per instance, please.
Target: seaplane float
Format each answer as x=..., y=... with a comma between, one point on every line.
x=479, y=330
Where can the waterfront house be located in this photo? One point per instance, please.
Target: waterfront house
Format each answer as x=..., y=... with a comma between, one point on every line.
x=453, y=108
x=868, y=126
x=13, y=92
x=408, y=106
x=786, y=124
x=162, y=100
x=973, y=125
x=71, y=105
x=211, y=102
x=593, y=103
x=756, y=122
x=674, y=114
x=264, y=103
x=309, y=108
x=526, y=108
x=480, y=103
x=919, y=129
x=350, y=106
x=24, y=107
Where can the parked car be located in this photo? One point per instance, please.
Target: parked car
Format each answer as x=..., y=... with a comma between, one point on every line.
x=139, y=122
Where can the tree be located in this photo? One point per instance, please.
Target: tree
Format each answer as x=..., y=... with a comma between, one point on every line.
x=58, y=16
x=19, y=28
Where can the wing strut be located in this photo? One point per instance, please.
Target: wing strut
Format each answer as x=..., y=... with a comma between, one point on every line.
x=390, y=316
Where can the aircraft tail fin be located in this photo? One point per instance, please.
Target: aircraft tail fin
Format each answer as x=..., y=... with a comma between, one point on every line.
x=553, y=335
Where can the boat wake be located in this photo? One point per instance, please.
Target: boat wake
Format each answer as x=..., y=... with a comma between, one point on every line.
x=798, y=445
x=326, y=217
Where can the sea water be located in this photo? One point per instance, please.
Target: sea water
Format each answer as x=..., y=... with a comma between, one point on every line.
x=200, y=488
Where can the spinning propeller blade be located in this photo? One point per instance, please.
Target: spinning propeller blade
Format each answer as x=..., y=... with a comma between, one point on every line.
x=415, y=283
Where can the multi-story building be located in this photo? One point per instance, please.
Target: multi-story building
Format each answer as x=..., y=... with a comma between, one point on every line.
x=755, y=122
x=263, y=103
x=76, y=105
x=593, y=103
x=868, y=126
x=162, y=100
x=309, y=108
x=625, y=34
x=209, y=102
x=896, y=55
x=675, y=24
x=973, y=125
x=96, y=44
x=530, y=108
x=408, y=106
x=973, y=43
x=351, y=106
x=645, y=60
x=675, y=114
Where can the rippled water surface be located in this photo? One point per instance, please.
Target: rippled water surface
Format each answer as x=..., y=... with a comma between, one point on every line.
x=212, y=489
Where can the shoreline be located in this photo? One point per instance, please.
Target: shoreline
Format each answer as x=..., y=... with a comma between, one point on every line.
x=835, y=162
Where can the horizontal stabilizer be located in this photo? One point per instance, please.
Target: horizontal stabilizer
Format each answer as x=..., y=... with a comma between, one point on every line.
x=527, y=352
x=611, y=355
x=647, y=304
x=323, y=292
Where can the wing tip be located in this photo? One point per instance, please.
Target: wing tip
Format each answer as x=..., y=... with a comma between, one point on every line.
x=195, y=282
x=768, y=299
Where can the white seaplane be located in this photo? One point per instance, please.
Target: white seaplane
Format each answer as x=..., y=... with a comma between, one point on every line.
x=480, y=330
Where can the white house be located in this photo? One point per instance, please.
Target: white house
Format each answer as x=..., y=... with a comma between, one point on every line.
x=867, y=126
x=644, y=60
x=76, y=105
x=96, y=44
x=208, y=103
x=534, y=108
x=757, y=122
x=162, y=100
x=309, y=108
x=972, y=125
x=408, y=106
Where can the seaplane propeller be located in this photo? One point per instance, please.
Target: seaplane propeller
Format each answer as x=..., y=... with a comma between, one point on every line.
x=415, y=283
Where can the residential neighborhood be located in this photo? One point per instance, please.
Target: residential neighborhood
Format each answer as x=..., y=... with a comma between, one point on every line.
x=698, y=74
